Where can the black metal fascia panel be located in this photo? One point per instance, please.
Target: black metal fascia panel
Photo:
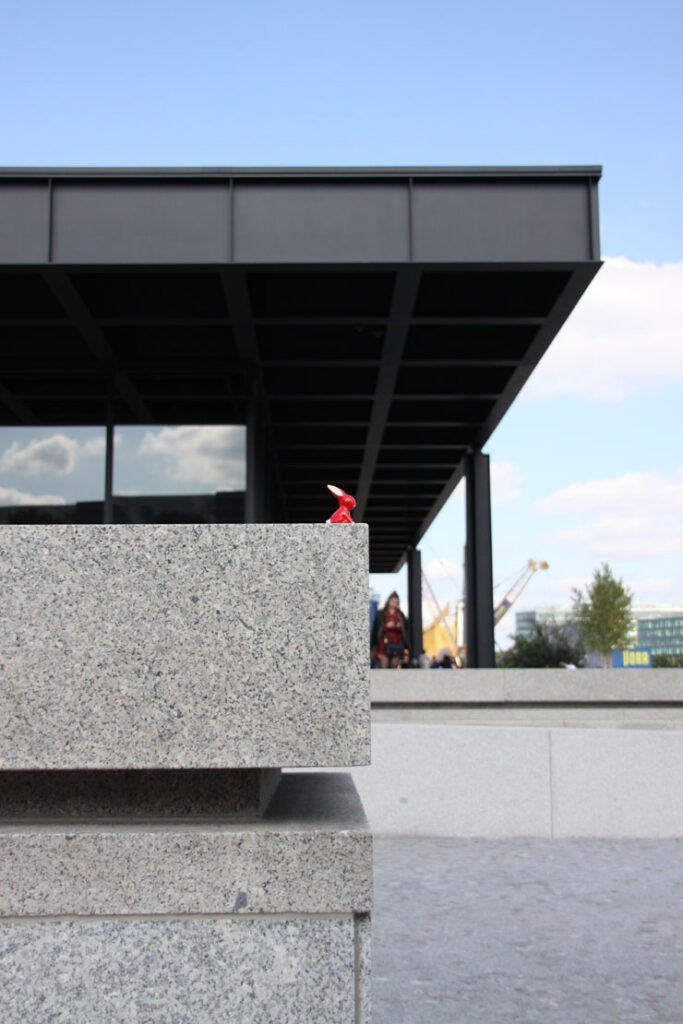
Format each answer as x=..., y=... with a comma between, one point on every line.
x=364, y=217
x=593, y=172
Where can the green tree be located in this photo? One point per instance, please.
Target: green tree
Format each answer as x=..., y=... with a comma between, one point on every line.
x=549, y=646
x=603, y=615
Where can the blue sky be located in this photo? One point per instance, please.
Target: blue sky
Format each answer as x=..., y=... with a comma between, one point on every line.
x=587, y=465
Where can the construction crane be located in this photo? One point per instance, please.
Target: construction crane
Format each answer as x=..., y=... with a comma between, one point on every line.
x=444, y=624
x=516, y=589
x=503, y=606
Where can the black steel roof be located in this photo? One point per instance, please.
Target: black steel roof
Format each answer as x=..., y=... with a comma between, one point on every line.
x=386, y=317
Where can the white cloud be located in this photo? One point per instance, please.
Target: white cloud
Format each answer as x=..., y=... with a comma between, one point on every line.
x=625, y=337
x=652, y=584
x=444, y=569
x=10, y=496
x=96, y=446
x=553, y=590
x=630, y=537
x=214, y=456
x=631, y=516
x=54, y=455
x=654, y=492
x=506, y=483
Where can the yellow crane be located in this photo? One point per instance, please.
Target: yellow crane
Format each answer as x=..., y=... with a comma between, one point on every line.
x=516, y=589
x=439, y=634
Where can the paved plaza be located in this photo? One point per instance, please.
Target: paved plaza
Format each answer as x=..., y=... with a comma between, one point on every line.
x=547, y=931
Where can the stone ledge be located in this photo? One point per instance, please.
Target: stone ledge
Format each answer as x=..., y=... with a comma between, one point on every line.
x=184, y=646
x=310, y=853
x=534, y=685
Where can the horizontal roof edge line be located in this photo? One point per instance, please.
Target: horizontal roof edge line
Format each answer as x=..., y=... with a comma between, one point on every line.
x=322, y=172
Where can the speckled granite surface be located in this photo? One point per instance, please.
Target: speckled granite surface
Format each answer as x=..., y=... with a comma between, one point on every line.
x=363, y=968
x=142, y=794
x=248, y=971
x=310, y=853
x=183, y=646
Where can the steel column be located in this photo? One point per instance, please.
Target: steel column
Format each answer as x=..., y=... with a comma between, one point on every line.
x=255, y=498
x=415, y=603
x=108, y=516
x=478, y=564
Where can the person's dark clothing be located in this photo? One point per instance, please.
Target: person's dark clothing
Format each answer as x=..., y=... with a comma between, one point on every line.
x=388, y=627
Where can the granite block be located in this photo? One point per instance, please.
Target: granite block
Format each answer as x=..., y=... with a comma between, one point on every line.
x=136, y=794
x=363, y=969
x=593, y=685
x=310, y=853
x=616, y=783
x=176, y=646
x=161, y=971
x=442, y=780
x=423, y=686
x=526, y=685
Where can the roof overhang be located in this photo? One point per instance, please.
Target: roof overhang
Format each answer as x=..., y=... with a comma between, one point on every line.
x=386, y=318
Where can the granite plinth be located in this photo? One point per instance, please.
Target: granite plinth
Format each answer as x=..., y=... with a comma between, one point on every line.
x=309, y=853
x=192, y=920
x=181, y=646
x=136, y=794
x=238, y=971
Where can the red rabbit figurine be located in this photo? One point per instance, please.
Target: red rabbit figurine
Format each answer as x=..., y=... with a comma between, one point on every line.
x=346, y=505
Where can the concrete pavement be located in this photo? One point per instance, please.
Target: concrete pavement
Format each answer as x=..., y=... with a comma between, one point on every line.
x=528, y=931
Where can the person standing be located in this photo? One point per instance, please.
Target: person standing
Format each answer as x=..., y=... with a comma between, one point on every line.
x=389, y=635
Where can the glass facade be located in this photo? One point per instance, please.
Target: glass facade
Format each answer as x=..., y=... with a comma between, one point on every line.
x=52, y=474
x=525, y=622
x=161, y=474
x=662, y=635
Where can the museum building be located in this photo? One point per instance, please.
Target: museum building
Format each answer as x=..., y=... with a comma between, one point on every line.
x=367, y=327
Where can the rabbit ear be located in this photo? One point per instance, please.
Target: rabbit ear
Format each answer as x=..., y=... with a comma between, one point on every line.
x=336, y=490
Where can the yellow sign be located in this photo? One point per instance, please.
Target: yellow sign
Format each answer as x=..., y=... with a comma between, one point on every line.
x=634, y=658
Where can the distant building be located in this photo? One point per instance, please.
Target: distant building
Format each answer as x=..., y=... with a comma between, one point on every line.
x=526, y=622
x=657, y=626
x=663, y=635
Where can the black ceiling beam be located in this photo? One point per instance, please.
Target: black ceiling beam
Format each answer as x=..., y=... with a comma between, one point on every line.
x=320, y=424
x=577, y=283
x=315, y=396
x=563, y=305
x=402, y=306
x=484, y=320
x=64, y=368
x=314, y=445
x=236, y=293
x=79, y=315
x=439, y=424
x=33, y=321
x=333, y=364
x=76, y=368
x=447, y=396
x=298, y=321
x=321, y=446
x=164, y=321
x=421, y=447
x=17, y=408
x=318, y=364
x=191, y=396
